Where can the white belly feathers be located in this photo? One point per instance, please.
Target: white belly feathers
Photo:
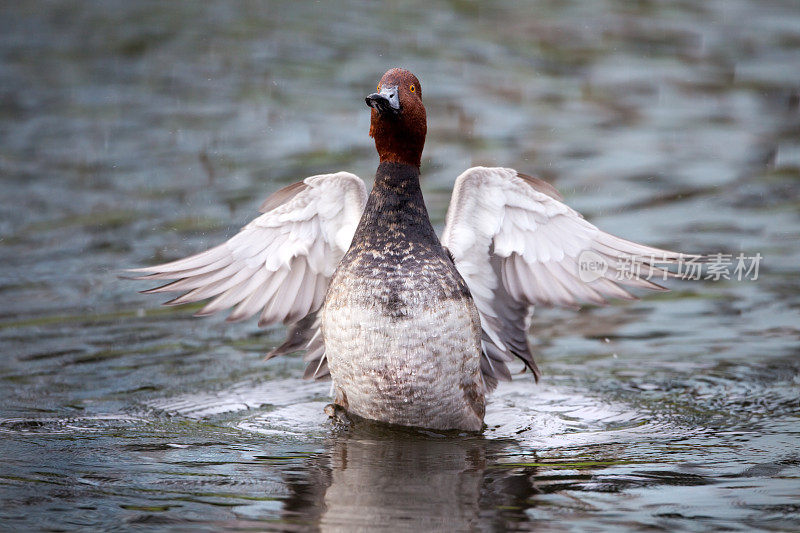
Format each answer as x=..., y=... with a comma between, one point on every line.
x=420, y=367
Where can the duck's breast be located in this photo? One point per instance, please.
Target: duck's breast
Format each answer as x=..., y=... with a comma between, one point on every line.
x=402, y=338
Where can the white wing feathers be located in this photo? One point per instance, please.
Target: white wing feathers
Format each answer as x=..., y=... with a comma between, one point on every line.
x=517, y=245
x=279, y=264
x=511, y=238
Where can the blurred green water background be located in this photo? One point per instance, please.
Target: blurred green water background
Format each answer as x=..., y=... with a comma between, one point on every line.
x=136, y=132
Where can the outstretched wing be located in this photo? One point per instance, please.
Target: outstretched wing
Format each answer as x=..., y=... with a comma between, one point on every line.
x=517, y=245
x=279, y=264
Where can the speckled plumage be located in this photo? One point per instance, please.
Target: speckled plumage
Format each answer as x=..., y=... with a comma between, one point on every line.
x=410, y=332
x=401, y=332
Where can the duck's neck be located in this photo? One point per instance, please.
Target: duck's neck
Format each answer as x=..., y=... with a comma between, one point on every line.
x=395, y=205
x=399, y=178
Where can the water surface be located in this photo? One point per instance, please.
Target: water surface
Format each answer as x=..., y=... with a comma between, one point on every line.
x=134, y=133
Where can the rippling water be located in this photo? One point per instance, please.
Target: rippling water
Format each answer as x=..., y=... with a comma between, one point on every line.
x=132, y=133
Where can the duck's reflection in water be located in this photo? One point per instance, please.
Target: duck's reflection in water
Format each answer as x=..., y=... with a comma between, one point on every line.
x=385, y=478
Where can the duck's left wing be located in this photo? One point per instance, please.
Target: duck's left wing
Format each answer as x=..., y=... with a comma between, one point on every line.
x=517, y=245
x=278, y=265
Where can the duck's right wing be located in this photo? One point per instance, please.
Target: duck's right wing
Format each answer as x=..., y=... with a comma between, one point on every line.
x=279, y=264
x=517, y=245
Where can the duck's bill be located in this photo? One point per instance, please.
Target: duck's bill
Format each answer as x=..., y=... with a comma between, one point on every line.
x=385, y=101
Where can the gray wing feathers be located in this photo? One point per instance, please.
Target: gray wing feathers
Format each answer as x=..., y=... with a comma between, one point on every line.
x=517, y=245
x=278, y=265
x=305, y=335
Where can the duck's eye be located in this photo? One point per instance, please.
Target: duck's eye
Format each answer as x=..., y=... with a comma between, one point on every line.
x=412, y=88
x=379, y=87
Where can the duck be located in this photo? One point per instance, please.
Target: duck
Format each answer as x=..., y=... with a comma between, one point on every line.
x=411, y=330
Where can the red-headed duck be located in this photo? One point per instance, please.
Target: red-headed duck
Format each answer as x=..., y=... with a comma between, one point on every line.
x=410, y=329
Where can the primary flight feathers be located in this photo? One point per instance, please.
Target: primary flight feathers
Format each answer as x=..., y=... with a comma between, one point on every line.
x=511, y=238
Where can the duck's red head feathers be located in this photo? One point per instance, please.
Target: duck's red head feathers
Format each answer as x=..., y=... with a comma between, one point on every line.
x=398, y=122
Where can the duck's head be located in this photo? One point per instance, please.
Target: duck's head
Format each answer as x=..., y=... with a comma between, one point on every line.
x=398, y=122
